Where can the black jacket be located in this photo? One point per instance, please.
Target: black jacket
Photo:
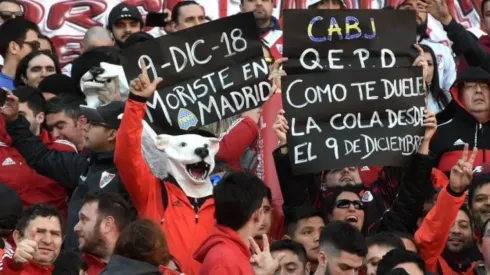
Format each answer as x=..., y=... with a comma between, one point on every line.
x=119, y=265
x=404, y=204
x=464, y=43
x=80, y=174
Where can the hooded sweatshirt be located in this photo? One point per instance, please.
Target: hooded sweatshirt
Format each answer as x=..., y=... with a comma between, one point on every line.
x=224, y=253
x=460, y=127
x=119, y=265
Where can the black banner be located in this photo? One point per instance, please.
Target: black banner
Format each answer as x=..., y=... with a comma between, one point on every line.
x=323, y=40
x=363, y=117
x=211, y=71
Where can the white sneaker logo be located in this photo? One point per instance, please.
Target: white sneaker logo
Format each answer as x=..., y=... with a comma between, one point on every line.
x=458, y=142
x=365, y=168
x=8, y=162
x=125, y=9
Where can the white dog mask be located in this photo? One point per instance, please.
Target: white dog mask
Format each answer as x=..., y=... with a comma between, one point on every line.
x=109, y=81
x=191, y=161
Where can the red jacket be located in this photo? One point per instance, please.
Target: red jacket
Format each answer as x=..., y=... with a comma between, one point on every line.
x=432, y=235
x=224, y=253
x=95, y=265
x=12, y=268
x=31, y=186
x=166, y=204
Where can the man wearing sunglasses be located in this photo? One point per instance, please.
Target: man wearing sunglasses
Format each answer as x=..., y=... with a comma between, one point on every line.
x=19, y=38
x=10, y=9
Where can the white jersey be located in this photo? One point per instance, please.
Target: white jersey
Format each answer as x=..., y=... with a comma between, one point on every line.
x=446, y=66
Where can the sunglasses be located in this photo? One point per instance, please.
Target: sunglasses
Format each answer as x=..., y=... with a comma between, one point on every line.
x=35, y=45
x=6, y=15
x=347, y=203
x=101, y=124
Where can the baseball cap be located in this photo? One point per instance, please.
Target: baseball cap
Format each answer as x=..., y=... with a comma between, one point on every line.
x=106, y=115
x=124, y=10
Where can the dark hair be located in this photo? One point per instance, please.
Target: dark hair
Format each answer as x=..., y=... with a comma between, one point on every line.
x=342, y=236
x=236, y=197
x=143, y=240
x=482, y=7
x=14, y=30
x=178, y=6
x=465, y=209
x=404, y=235
x=293, y=215
x=335, y=192
x=477, y=182
x=435, y=89
x=397, y=271
x=33, y=97
x=268, y=193
x=387, y=239
x=67, y=103
x=396, y=257
x=292, y=246
x=69, y=263
x=53, y=48
x=24, y=64
x=37, y=210
x=135, y=38
x=111, y=204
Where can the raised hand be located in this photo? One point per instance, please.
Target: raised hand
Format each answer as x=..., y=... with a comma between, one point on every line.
x=276, y=73
x=430, y=124
x=281, y=127
x=439, y=10
x=10, y=110
x=25, y=251
x=262, y=261
x=462, y=171
x=141, y=86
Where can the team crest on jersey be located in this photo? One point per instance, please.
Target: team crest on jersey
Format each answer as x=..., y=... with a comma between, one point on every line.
x=440, y=61
x=367, y=197
x=106, y=178
x=279, y=48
